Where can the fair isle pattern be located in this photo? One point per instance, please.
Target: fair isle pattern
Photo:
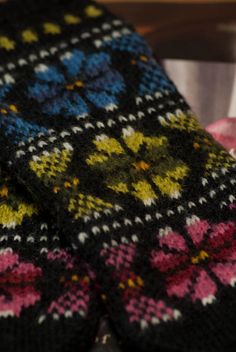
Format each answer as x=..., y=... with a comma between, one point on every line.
x=43, y=287
x=180, y=262
x=93, y=127
x=48, y=27
x=112, y=158
x=98, y=84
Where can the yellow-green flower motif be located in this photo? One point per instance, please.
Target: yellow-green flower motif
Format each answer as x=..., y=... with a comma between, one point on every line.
x=6, y=43
x=13, y=210
x=29, y=36
x=10, y=217
x=138, y=165
x=181, y=120
x=216, y=157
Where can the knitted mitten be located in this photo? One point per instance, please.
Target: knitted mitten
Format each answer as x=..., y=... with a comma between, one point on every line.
x=46, y=302
x=100, y=136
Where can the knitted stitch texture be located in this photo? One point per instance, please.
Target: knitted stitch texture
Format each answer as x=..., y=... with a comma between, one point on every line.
x=100, y=136
x=46, y=301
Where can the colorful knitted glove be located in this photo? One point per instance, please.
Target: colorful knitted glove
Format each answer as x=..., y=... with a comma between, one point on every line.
x=100, y=136
x=46, y=302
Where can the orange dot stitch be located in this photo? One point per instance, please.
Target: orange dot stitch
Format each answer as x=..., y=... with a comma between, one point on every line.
x=203, y=255
x=207, y=141
x=103, y=297
x=79, y=84
x=70, y=86
x=13, y=108
x=67, y=184
x=121, y=285
x=142, y=165
x=196, y=146
x=75, y=278
x=56, y=189
x=131, y=283
x=86, y=279
x=4, y=192
x=144, y=58
x=140, y=281
x=75, y=181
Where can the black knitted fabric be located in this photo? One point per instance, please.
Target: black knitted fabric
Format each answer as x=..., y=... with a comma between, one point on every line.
x=46, y=299
x=95, y=130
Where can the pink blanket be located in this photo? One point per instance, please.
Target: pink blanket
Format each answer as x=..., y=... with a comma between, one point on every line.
x=224, y=131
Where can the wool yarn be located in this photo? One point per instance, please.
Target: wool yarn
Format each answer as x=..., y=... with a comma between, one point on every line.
x=92, y=126
x=46, y=298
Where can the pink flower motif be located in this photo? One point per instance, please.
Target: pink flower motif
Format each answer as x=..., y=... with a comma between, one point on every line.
x=195, y=263
x=119, y=256
x=142, y=310
x=74, y=296
x=63, y=256
x=145, y=311
x=17, y=284
x=74, y=301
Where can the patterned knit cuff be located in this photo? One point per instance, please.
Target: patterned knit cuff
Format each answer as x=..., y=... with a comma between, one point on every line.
x=26, y=25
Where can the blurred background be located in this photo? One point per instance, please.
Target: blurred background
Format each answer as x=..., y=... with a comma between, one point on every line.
x=196, y=40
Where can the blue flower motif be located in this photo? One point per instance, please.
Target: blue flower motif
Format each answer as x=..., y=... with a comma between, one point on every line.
x=132, y=43
x=12, y=125
x=4, y=89
x=68, y=88
x=152, y=76
x=19, y=129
